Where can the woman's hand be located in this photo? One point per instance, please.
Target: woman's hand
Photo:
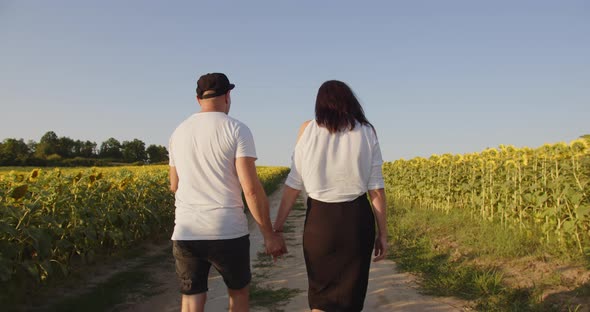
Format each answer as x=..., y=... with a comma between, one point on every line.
x=275, y=245
x=380, y=248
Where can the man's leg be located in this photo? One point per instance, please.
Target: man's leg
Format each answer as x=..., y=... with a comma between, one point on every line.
x=193, y=273
x=194, y=303
x=239, y=299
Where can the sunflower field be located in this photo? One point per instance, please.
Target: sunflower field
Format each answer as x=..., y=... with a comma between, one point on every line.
x=48, y=218
x=546, y=187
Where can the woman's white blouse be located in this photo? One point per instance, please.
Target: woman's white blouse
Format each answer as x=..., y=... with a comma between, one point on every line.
x=337, y=167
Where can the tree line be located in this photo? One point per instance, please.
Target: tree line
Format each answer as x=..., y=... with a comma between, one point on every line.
x=52, y=150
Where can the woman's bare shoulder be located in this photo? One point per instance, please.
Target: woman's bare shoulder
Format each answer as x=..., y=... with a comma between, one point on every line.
x=302, y=128
x=304, y=125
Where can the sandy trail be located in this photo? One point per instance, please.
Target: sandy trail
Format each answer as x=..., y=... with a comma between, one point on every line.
x=389, y=290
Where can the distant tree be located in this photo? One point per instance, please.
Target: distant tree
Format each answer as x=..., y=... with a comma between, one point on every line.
x=88, y=149
x=156, y=153
x=14, y=152
x=586, y=137
x=34, y=160
x=83, y=149
x=133, y=151
x=77, y=147
x=54, y=150
x=32, y=145
x=48, y=145
x=65, y=147
x=111, y=148
x=42, y=150
x=49, y=137
x=3, y=158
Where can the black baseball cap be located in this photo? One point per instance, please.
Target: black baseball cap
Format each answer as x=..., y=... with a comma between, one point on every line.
x=217, y=82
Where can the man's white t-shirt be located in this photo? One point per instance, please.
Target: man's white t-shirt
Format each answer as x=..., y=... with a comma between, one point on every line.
x=209, y=202
x=336, y=167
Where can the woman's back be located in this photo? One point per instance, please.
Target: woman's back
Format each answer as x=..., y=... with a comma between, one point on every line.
x=336, y=167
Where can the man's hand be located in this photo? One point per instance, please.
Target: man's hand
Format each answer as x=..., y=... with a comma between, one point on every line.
x=275, y=245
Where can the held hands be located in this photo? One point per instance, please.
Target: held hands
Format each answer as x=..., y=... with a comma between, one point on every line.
x=380, y=247
x=275, y=245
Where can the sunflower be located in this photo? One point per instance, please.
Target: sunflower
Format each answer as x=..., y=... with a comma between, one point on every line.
x=579, y=147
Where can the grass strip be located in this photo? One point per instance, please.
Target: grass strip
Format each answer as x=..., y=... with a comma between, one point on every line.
x=456, y=255
x=115, y=291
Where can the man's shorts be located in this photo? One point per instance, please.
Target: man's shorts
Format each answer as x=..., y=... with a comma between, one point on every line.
x=231, y=258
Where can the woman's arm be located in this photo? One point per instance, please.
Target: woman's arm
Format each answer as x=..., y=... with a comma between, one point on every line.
x=289, y=193
x=287, y=201
x=380, y=211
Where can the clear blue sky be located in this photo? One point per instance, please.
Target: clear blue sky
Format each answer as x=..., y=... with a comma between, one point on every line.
x=432, y=76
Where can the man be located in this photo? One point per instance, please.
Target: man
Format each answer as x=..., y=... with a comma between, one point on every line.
x=211, y=161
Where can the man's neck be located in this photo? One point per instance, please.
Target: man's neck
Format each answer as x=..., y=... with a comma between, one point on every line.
x=211, y=110
x=208, y=108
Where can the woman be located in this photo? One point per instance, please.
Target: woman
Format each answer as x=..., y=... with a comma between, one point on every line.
x=337, y=159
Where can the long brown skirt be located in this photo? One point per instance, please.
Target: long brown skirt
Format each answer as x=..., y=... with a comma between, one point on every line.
x=338, y=239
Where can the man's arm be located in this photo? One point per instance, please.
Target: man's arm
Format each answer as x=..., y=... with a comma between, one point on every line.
x=258, y=203
x=173, y=179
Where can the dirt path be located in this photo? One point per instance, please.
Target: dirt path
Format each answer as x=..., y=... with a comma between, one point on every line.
x=389, y=290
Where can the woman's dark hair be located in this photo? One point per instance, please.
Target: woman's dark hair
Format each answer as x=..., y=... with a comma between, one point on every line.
x=336, y=107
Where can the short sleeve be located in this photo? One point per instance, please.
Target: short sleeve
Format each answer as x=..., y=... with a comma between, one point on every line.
x=294, y=179
x=245, y=143
x=170, y=154
x=376, y=175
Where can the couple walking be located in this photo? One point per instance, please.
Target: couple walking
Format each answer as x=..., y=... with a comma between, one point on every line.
x=336, y=159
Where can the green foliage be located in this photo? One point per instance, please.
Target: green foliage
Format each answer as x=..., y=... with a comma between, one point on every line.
x=66, y=152
x=156, y=154
x=136, y=280
x=426, y=242
x=547, y=187
x=133, y=151
x=52, y=219
x=111, y=148
x=80, y=162
x=54, y=158
x=271, y=298
x=13, y=152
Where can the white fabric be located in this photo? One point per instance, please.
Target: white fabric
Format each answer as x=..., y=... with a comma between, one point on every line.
x=209, y=202
x=336, y=167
